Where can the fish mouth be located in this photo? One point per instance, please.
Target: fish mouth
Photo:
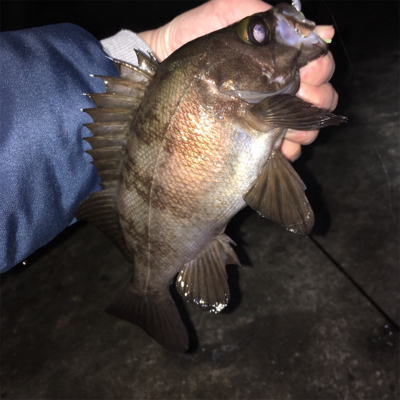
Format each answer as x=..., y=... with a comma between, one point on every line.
x=254, y=96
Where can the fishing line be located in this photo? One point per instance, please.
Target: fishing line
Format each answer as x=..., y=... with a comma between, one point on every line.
x=355, y=284
x=357, y=87
x=342, y=43
x=336, y=263
x=387, y=180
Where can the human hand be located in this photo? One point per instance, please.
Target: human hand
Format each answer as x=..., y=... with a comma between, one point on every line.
x=315, y=89
x=217, y=14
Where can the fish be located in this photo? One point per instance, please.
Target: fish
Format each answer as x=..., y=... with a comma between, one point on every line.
x=182, y=145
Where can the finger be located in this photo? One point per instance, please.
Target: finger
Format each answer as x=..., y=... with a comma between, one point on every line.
x=318, y=71
x=321, y=69
x=323, y=96
x=290, y=150
x=325, y=31
x=209, y=17
x=206, y=18
x=234, y=10
x=301, y=137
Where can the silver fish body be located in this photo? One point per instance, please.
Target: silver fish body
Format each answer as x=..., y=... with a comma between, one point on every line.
x=183, y=145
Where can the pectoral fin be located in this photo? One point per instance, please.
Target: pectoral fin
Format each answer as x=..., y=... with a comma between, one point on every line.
x=278, y=194
x=203, y=281
x=291, y=112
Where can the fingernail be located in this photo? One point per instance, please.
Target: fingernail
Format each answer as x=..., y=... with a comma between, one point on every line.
x=323, y=29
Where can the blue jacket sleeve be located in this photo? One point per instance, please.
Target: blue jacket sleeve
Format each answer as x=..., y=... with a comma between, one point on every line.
x=44, y=172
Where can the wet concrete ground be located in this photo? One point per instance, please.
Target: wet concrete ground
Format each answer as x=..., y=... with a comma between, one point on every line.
x=309, y=318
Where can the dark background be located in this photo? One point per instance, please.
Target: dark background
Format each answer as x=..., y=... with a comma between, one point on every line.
x=311, y=318
x=105, y=18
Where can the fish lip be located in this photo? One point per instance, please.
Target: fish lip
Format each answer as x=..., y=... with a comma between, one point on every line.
x=254, y=96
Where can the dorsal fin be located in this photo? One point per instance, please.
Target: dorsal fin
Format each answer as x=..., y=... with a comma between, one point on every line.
x=147, y=63
x=111, y=124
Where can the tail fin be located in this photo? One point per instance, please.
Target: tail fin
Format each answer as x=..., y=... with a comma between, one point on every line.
x=161, y=319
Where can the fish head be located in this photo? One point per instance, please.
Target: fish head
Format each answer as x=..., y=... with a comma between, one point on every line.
x=260, y=55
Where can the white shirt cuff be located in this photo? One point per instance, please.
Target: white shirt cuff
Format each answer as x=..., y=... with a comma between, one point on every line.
x=121, y=46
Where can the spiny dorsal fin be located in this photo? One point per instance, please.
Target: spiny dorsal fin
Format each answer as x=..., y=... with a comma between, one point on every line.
x=104, y=100
x=278, y=194
x=110, y=128
x=147, y=63
x=133, y=73
x=123, y=86
x=105, y=114
x=203, y=281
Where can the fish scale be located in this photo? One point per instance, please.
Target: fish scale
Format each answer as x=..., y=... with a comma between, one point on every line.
x=181, y=146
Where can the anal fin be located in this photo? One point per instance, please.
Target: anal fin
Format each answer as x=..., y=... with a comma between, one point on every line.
x=278, y=194
x=203, y=281
x=160, y=319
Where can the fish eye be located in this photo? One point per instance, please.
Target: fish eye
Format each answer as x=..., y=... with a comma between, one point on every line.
x=253, y=30
x=258, y=32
